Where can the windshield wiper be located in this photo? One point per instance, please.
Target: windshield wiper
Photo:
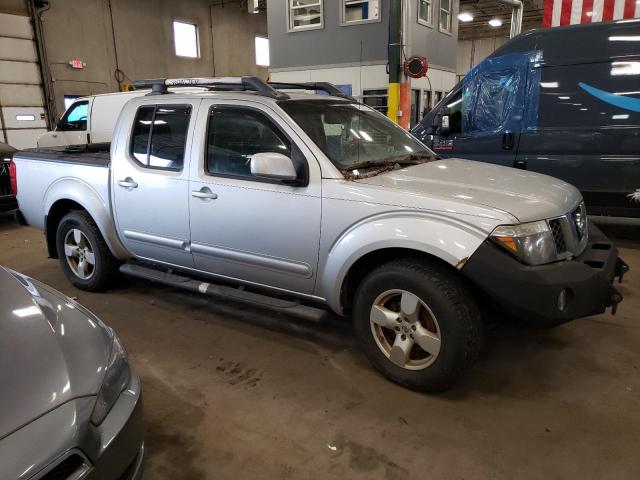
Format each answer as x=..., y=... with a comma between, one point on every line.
x=390, y=163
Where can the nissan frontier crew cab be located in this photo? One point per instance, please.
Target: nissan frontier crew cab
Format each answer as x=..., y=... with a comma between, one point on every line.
x=304, y=203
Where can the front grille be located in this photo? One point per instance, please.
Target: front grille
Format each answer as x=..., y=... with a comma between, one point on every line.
x=65, y=469
x=570, y=232
x=558, y=236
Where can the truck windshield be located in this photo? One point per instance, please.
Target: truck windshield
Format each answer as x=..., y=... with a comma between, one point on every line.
x=355, y=136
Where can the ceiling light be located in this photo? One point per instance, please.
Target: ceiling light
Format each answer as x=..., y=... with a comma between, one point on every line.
x=495, y=22
x=465, y=17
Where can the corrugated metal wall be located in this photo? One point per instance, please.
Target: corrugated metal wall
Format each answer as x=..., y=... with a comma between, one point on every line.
x=22, y=113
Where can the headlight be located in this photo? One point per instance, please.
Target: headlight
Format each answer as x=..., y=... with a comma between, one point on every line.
x=115, y=381
x=531, y=242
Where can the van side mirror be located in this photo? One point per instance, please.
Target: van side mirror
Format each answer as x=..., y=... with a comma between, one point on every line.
x=274, y=166
x=444, y=125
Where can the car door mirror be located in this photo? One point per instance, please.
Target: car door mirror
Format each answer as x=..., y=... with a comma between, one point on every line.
x=444, y=125
x=273, y=165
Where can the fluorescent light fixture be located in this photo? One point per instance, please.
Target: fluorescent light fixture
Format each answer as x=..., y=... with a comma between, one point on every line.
x=620, y=117
x=625, y=68
x=495, y=22
x=465, y=17
x=262, y=52
x=185, y=38
x=564, y=98
x=549, y=84
x=584, y=109
x=25, y=118
x=628, y=38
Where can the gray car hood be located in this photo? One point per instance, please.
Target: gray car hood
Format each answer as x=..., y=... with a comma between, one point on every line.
x=51, y=351
x=525, y=195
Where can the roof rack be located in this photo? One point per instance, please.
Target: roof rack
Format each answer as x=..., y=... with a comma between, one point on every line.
x=326, y=87
x=160, y=86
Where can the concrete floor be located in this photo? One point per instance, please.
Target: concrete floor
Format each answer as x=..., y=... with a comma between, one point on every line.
x=234, y=393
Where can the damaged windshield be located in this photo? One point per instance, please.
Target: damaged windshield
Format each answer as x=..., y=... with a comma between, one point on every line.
x=356, y=138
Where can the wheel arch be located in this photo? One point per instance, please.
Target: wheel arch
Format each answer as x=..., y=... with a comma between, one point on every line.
x=382, y=238
x=65, y=196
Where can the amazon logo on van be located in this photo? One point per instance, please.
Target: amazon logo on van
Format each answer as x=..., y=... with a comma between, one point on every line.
x=621, y=101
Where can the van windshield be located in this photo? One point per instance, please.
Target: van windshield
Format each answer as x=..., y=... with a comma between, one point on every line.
x=355, y=136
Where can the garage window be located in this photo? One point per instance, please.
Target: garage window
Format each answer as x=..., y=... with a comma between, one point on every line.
x=305, y=14
x=445, y=16
x=360, y=11
x=425, y=12
x=262, y=51
x=376, y=99
x=185, y=38
x=160, y=135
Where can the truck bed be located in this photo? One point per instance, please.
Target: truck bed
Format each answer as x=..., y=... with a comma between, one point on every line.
x=79, y=174
x=97, y=155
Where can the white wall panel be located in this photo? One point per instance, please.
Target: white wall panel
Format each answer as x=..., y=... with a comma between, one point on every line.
x=15, y=26
x=21, y=95
x=17, y=49
x=19, y=72
x=21, y=139
x=18, y=117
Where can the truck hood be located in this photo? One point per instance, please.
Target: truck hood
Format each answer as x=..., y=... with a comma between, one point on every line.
x=51, y=350
x=527, y=196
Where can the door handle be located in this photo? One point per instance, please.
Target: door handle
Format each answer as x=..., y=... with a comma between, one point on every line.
x=507, y=140
x=204, y=193
x=128, y=183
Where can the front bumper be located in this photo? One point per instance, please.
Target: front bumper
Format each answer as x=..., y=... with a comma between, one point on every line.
x=533, y=292
x=119, y=453
x=114, y=450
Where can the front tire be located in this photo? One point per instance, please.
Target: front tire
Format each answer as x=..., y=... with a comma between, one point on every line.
x=84, y=256
x=418, y=324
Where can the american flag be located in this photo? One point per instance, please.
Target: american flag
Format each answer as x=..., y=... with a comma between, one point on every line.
x=569, y=12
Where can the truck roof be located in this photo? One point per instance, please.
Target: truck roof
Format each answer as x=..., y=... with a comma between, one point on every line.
x=578, y=43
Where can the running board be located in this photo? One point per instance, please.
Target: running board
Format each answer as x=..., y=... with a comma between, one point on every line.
x=289, y=307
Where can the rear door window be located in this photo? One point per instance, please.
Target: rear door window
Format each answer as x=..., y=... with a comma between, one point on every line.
x=159, y=136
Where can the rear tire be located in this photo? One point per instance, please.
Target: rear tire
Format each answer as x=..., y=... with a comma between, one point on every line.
x=84, y=256
x=418, y=324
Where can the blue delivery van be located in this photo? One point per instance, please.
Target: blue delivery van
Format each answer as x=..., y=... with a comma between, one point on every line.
x=561, y=101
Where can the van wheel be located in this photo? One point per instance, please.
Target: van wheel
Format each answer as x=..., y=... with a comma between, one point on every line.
x=418, y=324
x=84, y=256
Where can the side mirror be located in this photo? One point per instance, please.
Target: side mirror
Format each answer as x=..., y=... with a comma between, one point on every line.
x=444, y=125
x=275, y=166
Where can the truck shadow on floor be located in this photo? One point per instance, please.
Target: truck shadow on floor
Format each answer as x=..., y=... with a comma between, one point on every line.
x=511, y=353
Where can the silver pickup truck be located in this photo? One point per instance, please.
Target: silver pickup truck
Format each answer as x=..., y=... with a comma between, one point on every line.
x=305, y=203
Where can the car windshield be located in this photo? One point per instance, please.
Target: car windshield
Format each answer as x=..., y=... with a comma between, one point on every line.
x=355, y=136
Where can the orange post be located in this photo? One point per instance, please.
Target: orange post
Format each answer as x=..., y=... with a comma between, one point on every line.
x=405, y=105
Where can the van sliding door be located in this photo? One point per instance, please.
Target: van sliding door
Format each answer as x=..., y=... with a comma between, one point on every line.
x=587, y=132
